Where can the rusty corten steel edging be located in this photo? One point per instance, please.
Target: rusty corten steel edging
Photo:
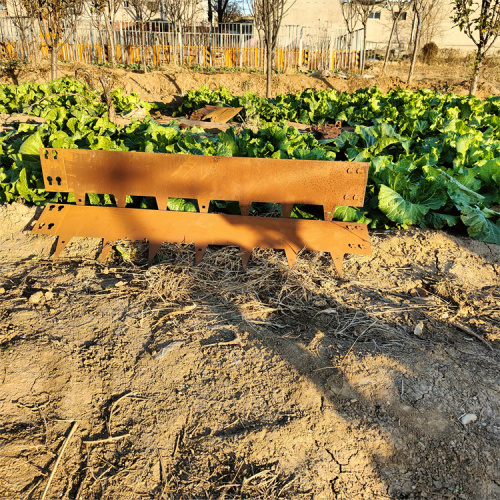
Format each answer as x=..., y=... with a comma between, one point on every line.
x=205, y=178
x=292, y=235
x=215, y=113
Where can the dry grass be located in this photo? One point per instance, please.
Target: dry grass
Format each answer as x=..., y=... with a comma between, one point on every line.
x=202, y=473
x=271, y=294
x=268, y=281
x=453, y=57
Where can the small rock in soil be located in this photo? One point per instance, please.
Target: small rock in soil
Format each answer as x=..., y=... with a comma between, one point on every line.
x=36, y=298
x=467, y=419
x=419, y=292
x=419, y=329
x=168, y=348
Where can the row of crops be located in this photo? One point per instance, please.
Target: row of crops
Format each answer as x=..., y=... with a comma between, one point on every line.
x=435, y=158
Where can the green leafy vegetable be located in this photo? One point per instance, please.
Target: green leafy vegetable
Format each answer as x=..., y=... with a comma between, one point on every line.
x=434, y=158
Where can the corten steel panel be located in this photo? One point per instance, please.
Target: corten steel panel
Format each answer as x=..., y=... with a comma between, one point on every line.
x=215, y=113
x=327, y=130
x=292, y=235
x=205, y=178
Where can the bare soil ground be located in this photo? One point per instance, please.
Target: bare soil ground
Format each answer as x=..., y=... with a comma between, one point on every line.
x=212, y=382
x=164, y=83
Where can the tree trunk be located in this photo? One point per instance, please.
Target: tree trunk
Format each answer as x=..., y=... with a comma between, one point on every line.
x=111, y=41
x=414, y=55
x=363, y=58
x=107, y=98
x=53, y=63
x=34, y=45
x=475, y=72
x=269, y=71
x=386, y=58
x=143, y=48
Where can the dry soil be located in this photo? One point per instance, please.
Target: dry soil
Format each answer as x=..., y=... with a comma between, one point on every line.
x=213, y=382
x=166, y=83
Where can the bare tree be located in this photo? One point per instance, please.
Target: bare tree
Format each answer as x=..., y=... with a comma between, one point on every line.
x=220, y=6
x=435, y=23
x=268, y=16
x=181, y=13
x=364, y=9
x=422, y=9
x=25, y=27
x=397, y=8
x=350, y=15
x=225, y=9
x=57, y=21
x=106, y=11
x=233, y=11
x=143, y=12
x=480, y=21
x=94, y=14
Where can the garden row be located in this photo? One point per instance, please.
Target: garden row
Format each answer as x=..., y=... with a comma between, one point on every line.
x=435, y=158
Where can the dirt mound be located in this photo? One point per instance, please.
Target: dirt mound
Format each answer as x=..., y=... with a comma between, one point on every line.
x=211, y=382
x=165, y=82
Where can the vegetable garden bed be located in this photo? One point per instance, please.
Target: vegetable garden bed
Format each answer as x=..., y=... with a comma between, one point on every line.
x=435, y=158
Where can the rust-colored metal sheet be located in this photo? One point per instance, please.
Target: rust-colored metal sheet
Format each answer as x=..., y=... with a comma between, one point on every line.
x=327, y=130
x=205, y=178
x=215, y=113
x=200, y=113
x=292, y=235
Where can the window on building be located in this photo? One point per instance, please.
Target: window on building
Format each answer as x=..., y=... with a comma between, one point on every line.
x=402, y=17
x=374, y=15
x=126, y=5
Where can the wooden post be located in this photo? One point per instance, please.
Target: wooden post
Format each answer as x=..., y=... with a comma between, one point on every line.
x=299, y=64
x=181, y=48
x=92, y=41
x=241, y=48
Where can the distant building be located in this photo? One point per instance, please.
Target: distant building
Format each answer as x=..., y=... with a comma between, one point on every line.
x=328, y=13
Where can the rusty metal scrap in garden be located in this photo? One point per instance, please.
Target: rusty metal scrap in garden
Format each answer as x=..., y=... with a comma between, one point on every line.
x=219, y=114
x=204, y=178
x=245, y=232
x=326, y=130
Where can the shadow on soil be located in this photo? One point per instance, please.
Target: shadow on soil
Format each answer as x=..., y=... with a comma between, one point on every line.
x=269, y=383
x=360, y=347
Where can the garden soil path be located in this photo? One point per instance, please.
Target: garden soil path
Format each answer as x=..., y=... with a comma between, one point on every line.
x=212, y=382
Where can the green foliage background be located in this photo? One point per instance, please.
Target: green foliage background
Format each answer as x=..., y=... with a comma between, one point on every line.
x=434, y=158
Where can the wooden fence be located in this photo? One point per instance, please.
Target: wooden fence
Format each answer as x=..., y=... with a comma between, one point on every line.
x=331, y=50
